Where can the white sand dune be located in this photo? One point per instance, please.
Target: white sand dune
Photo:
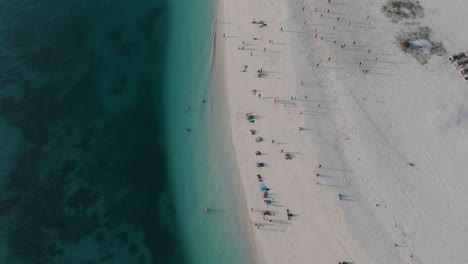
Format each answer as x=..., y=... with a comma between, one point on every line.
x=363, y=128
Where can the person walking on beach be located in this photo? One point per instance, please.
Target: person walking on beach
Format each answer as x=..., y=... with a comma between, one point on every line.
x=259, y=95
x=339, y=195
x=318, y=64
x=337, y=19
x=302, y=83
x=360, y=63
x=334, y=42
x=303, y=8
x=354, y=42
x=273, y=141
x=328, y=11
x=368, y=51
x=329, y=58
x=281, y=28
x=305, y=97
x=316, y=34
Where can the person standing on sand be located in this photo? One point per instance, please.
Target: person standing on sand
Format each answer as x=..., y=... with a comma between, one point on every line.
x=273, y=141
x=302, y=83
x=329, y=58
x=334, y=42
x=368, y=51
x=259, y=95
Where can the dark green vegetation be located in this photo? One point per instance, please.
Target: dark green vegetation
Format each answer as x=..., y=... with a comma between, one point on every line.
x=417, y=42
x=82, y=82
x=398, y=10
x=414, y=39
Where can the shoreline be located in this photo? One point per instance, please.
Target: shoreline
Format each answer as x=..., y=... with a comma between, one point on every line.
x=221, y=100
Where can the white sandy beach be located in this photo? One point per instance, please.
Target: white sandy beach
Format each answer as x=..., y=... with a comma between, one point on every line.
x=364, y=129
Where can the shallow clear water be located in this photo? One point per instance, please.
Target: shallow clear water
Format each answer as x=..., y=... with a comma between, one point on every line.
x=202, y=165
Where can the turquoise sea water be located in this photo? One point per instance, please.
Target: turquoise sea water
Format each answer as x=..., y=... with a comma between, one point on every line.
x=204, y=156
x=96, y=165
